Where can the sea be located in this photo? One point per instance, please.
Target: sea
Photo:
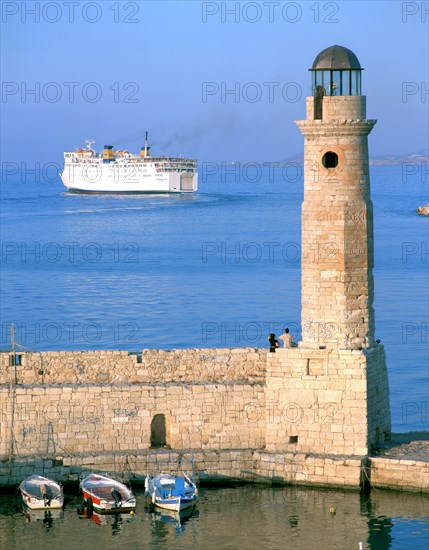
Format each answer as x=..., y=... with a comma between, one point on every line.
x=214, y=269
x=245, y=517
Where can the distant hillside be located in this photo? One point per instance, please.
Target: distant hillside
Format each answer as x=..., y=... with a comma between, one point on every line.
x=420, y=157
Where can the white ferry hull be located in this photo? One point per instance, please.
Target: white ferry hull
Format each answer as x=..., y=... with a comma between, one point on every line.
x=87, y=172
x=79, y=180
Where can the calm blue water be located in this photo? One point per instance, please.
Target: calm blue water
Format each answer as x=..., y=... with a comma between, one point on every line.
x=217, y=269
x=231, y=518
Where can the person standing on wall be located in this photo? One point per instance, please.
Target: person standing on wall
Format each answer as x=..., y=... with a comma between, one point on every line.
x=273, y=342
x=287, y=339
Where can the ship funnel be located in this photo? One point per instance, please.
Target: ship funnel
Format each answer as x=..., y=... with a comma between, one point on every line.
x=145, y=151
x=108, y=153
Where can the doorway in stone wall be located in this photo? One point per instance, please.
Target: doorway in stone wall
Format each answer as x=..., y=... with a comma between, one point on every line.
x=158, y=431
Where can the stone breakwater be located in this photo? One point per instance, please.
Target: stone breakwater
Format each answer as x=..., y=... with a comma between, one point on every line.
x=232, y=466
x=300, y=400
x=288, y=417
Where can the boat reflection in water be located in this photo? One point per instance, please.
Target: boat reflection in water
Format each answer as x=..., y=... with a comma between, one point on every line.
x=47, y=517
x=114, y=520
x=160, y=517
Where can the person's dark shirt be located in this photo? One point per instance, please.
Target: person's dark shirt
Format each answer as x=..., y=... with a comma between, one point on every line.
x=273, y=343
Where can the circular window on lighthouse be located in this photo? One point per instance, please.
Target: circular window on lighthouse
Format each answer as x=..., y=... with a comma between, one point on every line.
x=330, y=159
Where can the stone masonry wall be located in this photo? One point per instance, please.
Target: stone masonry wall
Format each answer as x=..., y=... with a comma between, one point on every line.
x=46, y=420
x=244, y=465
x=104, y=401
x=317, y=401
x=377, y=398
x=210, y=466
x=151, y=366
x=337, y=227
x=406, y=475
x=296, y=400
x=339, y=108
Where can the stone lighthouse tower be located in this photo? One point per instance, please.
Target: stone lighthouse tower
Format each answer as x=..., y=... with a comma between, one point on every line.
x=331, y=394
x=337, y=227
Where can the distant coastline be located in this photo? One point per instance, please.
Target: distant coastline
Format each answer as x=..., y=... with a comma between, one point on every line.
x=380, y=160
x=398, y=160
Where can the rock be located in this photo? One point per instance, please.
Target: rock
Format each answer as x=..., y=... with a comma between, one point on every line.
x=423, y=210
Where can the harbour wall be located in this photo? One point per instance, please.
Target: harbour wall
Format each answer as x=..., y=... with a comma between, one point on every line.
x=297, y=416
x=220, y=466
x=296, y=400
x=399, y=473
x=233, y=466
x=109, y=401
x=150, y=366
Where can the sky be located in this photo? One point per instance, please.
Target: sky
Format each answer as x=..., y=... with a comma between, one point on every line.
x=215, y=81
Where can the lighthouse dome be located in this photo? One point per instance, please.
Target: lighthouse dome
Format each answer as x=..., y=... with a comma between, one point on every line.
x=336, y=58
x=336, y=71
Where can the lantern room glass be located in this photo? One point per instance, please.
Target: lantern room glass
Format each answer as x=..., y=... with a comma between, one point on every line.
x=356, y=83
x=345, y=82
x=338, y=82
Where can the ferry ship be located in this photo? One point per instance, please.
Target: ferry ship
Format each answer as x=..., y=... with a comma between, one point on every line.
x=86, y=171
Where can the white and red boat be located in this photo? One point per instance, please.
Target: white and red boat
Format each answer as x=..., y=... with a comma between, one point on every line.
x=106, y=495
x=41, y=493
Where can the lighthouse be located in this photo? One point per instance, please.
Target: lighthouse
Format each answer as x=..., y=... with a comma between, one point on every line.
x=337, y=220
x=330, y=395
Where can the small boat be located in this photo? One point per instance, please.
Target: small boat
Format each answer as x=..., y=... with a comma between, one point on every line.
x=107, y=495
x=170, y=481
x=172, y=492
x=41, y=493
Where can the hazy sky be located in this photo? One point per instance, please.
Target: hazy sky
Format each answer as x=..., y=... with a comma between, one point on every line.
x=217, y=81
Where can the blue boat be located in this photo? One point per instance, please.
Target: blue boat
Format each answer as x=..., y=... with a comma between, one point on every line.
x=169, y=484
x=172, y=492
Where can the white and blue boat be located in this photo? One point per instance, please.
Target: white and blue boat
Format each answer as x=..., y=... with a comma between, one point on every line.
x=172, y=492
x=170, y=482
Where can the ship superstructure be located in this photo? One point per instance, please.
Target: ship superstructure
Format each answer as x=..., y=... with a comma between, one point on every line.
x=86, y=171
